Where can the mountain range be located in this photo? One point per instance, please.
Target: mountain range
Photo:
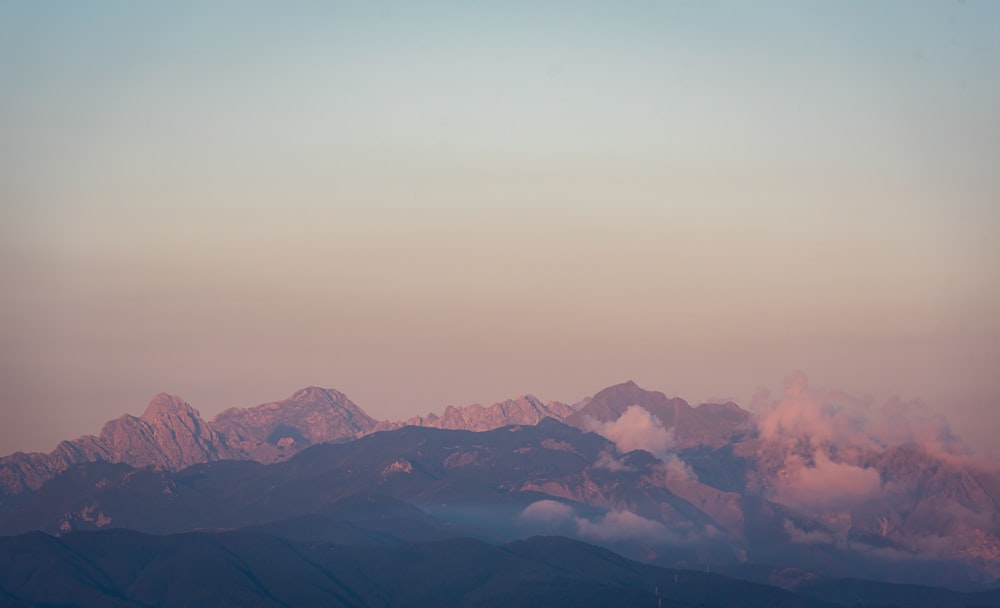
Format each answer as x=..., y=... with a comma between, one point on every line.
x=765, y=498
x=170, y=434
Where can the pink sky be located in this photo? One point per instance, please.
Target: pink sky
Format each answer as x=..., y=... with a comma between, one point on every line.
x=423, y=208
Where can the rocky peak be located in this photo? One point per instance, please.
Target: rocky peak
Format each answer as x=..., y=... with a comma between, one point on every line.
x=316, y=394
x=610, y=403
x=274, y=431
x=170, y=434
x=164, y=405
x=707, y=425
x=524, y=410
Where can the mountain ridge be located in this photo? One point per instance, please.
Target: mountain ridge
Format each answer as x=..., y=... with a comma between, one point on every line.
x=171, y=434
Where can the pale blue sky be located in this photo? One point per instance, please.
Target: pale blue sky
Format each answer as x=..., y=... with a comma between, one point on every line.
x=432, y=203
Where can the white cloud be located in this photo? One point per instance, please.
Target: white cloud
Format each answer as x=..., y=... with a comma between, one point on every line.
x=636, y=429
x=613, y=526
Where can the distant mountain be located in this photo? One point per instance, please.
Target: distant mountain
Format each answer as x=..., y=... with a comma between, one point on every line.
x=527, y=409
x=549, y=478
x=664, y=481
x=170, y=434
x=274, y=431
x=511, y=466
x=709, y=424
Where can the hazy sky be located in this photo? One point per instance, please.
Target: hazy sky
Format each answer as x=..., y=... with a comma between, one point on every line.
x=432, y=203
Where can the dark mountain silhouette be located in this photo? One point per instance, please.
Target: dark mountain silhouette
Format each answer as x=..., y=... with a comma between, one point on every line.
x=124, y=568
x=249, y=567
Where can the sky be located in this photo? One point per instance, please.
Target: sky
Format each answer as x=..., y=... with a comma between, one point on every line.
x=434, y=203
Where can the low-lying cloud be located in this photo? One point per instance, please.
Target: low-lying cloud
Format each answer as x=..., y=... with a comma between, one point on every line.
x=613, y=526
x=623, y=525
x=547, y=512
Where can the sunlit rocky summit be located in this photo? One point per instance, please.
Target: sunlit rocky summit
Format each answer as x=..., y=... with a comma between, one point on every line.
x=793, y=495
x=273, y=431
x=526, y=409
x=171, y=434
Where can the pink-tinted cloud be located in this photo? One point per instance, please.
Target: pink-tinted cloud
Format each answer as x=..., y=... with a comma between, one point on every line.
x=825, y=417
x=825, y=484
x=819, y=439
x=636, y=429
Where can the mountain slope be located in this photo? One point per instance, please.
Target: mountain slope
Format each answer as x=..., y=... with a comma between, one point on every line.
x=171, y=434
x=121, y=568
